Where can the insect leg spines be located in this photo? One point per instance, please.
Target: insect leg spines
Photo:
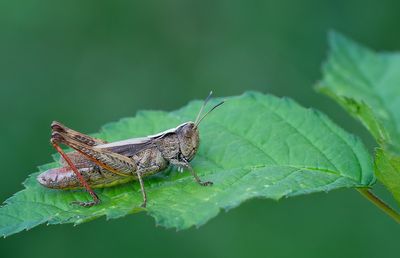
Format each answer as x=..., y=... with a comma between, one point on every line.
x=80, y=137
x=111, y=161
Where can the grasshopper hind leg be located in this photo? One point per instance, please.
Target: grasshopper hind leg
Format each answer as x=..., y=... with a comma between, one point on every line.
x=96, y=200
x=112, y=162
x=82, y=138
x=58, y=127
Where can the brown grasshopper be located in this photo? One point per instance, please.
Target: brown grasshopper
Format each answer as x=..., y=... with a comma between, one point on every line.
x=96, y=163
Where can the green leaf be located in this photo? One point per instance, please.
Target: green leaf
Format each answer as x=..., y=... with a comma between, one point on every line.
x=367, y=85
x=255, y=145
x=387, y=167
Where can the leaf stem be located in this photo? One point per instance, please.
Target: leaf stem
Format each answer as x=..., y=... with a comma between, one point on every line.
x=380, y=203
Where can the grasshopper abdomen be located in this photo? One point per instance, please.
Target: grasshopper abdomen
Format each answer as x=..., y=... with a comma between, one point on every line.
x=64, y=178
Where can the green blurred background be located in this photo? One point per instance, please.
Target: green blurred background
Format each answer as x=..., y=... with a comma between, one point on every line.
x=87, y=63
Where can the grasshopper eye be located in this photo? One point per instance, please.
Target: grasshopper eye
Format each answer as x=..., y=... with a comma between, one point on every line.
x=187, y=132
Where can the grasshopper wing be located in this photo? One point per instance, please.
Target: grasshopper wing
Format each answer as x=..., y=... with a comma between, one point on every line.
x=128, y=147
x=132, y=146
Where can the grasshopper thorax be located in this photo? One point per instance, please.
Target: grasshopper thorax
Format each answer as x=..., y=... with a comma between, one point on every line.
x=188, y=136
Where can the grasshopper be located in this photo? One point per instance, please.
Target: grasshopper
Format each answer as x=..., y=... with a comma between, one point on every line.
x=95, y=163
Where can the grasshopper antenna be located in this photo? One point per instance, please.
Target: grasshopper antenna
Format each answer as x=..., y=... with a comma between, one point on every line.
x=219, y=104
x=202, y=107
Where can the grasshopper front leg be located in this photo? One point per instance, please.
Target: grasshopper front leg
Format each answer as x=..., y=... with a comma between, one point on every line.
x=184, y=164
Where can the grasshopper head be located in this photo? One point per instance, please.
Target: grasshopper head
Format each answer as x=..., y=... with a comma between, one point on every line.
x=188, y=135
